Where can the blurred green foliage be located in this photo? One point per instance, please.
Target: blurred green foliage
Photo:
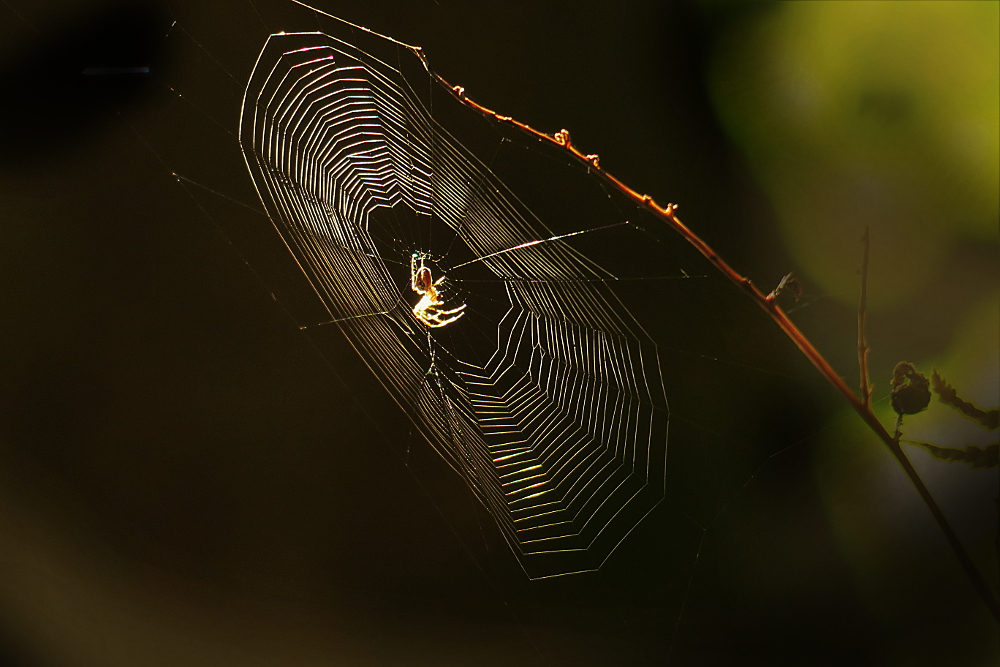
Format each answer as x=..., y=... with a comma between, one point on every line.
x=886, y=115
x=880, y=114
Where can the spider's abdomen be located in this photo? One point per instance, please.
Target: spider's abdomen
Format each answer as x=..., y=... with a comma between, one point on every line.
x=424, y=280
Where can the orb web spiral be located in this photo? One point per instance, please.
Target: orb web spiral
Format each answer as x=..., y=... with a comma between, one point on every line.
x=546, y=395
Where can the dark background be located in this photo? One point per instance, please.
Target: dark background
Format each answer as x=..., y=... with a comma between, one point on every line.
x=186, y=478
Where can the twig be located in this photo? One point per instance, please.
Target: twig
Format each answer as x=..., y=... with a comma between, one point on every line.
x=668, y=215
x=866, y=387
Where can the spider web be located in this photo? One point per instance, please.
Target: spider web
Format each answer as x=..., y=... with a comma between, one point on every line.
x=590, y=334
x=547, y=396
x=592, y=338
x=593, y=344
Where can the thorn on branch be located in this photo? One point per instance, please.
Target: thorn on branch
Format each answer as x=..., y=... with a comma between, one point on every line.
x=460, y=91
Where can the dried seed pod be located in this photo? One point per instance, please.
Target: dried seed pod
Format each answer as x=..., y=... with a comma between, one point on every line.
x=910, y=390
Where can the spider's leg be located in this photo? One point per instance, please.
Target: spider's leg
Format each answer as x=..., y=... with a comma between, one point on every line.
x=448, y=320
x=453, y=310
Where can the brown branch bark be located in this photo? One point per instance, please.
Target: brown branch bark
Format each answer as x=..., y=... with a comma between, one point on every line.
x=866, y=387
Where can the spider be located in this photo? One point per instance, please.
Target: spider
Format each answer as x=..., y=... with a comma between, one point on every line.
x=428, y=310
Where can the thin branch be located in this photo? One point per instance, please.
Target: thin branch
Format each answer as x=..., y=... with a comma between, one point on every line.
x=668, y=215
x=866, y=386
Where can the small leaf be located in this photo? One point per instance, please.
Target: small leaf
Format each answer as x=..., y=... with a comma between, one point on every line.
x=787, y=284
x=988, y=419
x=974, y=456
